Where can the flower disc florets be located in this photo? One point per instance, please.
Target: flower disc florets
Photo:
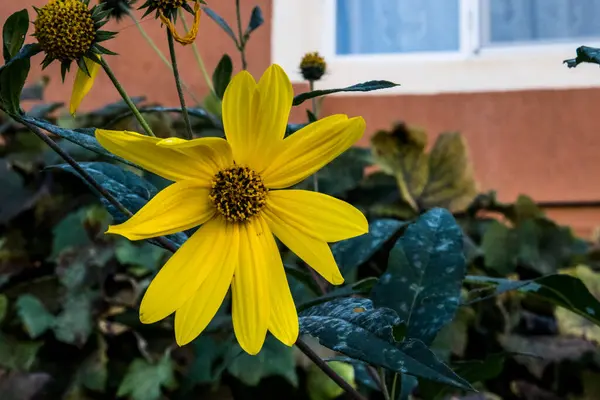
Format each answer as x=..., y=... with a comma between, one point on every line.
x=238, y=193
x=65, y=29
x=313, y=66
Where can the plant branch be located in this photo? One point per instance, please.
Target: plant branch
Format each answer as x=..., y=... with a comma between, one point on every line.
x=241, y=40
x=319, y=362
x=197, y=56
x=87, y=177
x=126, y=98
x=384, y=389
x=186, y=117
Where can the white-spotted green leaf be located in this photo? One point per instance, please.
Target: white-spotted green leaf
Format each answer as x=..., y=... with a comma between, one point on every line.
x=424, y=276
x=353, y=327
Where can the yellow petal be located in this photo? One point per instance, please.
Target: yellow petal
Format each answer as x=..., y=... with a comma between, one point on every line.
x=255, y=116
x=283, y=322
x=275, y=95
x=308, y=150
x=199, y=310
x=173, y=164
x=178, y=207
x=239, y=111
x=180, y=278
x=215, y=152
x=315, y=252
x=83, y=84
x=317, y=214
x=251, y=305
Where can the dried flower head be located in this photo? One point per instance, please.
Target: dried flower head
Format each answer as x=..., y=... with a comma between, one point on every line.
x=67, y=31
x=118, y=8
x=313, y=66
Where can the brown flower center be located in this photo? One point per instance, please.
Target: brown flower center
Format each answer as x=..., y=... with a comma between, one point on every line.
x=238, y=193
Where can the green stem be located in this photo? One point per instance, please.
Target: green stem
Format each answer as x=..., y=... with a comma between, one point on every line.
x=315, y=111
x=242, y=41
x=384, y=389
x=126, y=98
x=154, y=47
x=319, y=362
x=394, y=383
x=186, y=117
x=197, y=55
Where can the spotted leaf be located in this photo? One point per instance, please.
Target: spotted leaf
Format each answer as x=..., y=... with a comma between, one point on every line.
x=425, y=270
x=354, y=328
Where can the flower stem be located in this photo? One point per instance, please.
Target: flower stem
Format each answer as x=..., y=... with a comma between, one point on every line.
x=87, y=177
x=315, y=111
x=242, y=42
x=394, y=384
x=186, y=117
x=197, y=55
x=314, y=357
x=384, y=389
x=154, y=47
x=126, y=98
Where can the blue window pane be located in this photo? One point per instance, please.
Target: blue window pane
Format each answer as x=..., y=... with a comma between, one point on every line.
x=543, y=20
x=397, y=26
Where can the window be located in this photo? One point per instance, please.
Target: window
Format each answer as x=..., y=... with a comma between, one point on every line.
x=433, y=46
x=396, y=26
x=512, y=22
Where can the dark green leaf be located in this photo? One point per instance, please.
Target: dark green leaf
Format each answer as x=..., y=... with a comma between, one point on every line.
x=408, y=384
x=26, y=52
x=361, y=287
x=130, y=189
x=74, y=324
x=424, y=276
x=274, y=359
x=140, y=254
x=500, y=246
x=16, y=355
x=13, y=34
x=221, y=22
x=15, y=196
x=82, y=137
x=584, y=54
x=222, y=75
x=563, y=290
x=350, y=254
x=353, y=327
x=359, y=87
x=12, y=80
x=143, y=380
x=474, y=371
x=70, y=233
x=34, y=315
x=342, y=174
x=256, y=20
x=207, y=351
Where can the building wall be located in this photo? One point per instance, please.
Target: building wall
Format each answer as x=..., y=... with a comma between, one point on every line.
x=544, y=143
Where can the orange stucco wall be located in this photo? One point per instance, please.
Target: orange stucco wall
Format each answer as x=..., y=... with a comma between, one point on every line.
x=541, y=143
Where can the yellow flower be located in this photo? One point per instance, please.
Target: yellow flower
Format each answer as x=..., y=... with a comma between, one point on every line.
x=232, y=188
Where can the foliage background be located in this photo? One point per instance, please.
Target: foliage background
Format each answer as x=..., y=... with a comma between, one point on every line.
x=521, y=324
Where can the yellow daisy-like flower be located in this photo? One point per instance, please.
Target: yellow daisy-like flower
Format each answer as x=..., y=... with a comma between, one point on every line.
x=232, y=188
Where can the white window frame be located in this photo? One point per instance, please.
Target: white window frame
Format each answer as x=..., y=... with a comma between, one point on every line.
x=302, y=26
